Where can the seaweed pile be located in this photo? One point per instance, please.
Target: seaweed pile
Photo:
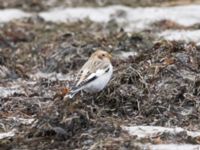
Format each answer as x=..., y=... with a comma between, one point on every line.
x=155, y=82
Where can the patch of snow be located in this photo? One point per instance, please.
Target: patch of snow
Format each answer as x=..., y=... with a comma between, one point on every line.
x=134, y=18
x=7, y=134
x=51, y=76
x=74, y=14
x=187, y=35
x=126, y=55
x=11, y=14
x=21, y=120
x=129, y=18
x=8, y=91
x=174, y=147
x=151, y=131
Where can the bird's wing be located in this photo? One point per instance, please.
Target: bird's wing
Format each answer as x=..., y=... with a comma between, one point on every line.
x=91, y=71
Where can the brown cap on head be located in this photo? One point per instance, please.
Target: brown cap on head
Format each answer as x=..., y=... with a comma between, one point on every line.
x=103, y=55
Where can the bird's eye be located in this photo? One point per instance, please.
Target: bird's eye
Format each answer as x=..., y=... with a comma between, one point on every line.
x=103, y=55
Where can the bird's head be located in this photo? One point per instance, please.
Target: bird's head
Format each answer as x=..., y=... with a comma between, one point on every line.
x=102, y=55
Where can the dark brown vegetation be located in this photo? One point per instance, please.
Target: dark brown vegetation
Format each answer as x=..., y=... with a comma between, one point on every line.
x=158, y=86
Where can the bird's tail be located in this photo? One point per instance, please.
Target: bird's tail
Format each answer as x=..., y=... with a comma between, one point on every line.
x=72, y=92
x=70, y=95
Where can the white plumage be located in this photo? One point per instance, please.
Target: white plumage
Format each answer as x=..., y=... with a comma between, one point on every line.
x=102, y=80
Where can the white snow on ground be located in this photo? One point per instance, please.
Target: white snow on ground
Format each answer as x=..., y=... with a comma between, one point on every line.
x=151, y=131
x=7, y=134
x=135, y=18
x=11, y=14
x=131, y=19
x=51, y=76
x=174, y=147
x=126, y=55
x=8, y=91
x=21, y=120
x=16, y=87
x=187, y=35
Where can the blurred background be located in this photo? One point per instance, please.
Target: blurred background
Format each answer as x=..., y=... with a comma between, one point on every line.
x=152, y=101
x=37, y=5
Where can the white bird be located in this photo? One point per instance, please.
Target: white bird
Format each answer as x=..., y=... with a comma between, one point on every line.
x=94, y=75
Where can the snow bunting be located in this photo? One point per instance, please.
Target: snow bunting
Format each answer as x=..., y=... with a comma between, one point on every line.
x=94, y=75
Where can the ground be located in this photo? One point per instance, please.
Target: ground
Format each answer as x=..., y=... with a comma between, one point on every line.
x=156, y=82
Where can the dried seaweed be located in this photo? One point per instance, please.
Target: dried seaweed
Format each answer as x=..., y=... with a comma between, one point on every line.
x=159, y=86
